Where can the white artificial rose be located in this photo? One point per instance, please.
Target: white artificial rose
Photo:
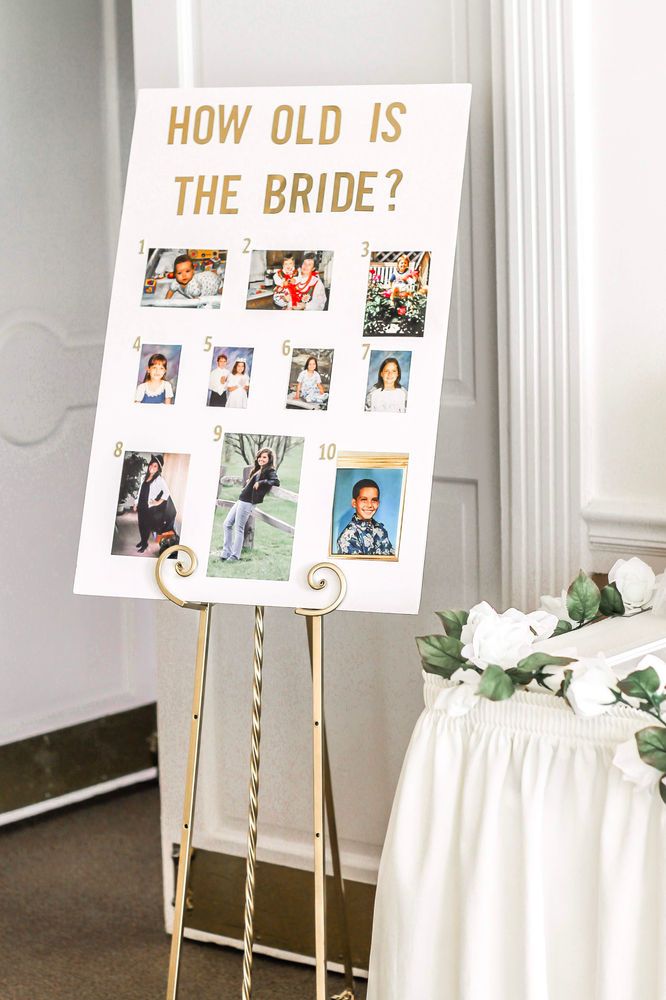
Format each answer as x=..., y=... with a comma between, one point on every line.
x=542, y=623
x=459, y=700
x=502, y=640
x=476, y=615
x=633, y=767
x=635, y=581
x=592, y=688
x=557, y=606
x=659, y=596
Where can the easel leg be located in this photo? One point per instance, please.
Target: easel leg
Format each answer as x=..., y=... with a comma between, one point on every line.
x=190, y=794
x=338, y=881
x=248, y=937
x=315, y=628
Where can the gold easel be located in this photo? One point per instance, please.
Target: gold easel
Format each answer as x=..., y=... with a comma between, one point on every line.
x=323, y=794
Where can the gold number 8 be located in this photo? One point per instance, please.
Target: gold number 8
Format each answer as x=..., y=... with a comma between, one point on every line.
x=118, y=450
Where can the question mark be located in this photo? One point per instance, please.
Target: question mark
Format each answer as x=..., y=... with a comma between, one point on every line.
x=394, y=187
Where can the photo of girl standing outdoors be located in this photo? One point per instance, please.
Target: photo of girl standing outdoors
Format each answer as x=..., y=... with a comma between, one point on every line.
x=158, y=374
x=255, y=512
x=257, y=485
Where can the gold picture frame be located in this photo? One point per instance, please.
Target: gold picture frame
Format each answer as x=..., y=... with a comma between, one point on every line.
x=369, y=462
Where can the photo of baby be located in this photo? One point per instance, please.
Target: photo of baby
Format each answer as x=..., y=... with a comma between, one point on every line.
x=397, y=295
x=150, y=503
x=184, y=278
x=309, y=378
x=368, y=506
x=388, y=382
x=255, y=513
x=230, y=375
x=290, y=280
x=158, y=374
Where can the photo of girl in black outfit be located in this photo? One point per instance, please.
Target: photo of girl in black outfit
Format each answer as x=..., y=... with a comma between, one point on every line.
x=152, y=489
x=155, y=506
x=260, y=481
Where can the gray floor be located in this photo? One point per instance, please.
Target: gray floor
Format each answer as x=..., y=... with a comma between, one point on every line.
x=81, y=915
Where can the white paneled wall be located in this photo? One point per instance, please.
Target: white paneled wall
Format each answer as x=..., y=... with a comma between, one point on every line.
x=621, y=148
x=65, y=121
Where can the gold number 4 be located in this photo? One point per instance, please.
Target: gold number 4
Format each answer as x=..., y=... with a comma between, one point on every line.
x=137, y=344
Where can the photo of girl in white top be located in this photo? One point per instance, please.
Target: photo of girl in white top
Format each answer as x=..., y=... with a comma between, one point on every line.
x=388, y=394
x=238, y=386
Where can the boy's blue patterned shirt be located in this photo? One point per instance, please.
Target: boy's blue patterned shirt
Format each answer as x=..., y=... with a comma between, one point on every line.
x=364, y=538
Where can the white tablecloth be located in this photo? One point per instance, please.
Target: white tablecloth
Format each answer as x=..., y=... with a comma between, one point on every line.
x=519, y=864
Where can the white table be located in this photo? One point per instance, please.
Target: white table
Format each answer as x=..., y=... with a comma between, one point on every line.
x=518, y=863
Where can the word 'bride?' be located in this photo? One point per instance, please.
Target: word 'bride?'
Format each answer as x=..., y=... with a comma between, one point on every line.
x=299, y=287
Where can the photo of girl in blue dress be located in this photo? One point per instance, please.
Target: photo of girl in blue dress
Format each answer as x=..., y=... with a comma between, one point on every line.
x=158, y=374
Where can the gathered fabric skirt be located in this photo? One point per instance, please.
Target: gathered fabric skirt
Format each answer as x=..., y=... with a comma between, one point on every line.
x=518, y=863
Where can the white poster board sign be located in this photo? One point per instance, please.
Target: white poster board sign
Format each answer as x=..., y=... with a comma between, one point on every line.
x=274, y=355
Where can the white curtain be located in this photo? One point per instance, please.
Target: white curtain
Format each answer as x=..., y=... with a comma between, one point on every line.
x=519, y=864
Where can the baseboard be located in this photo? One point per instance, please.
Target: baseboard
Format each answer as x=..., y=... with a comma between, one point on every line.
x=284, y=907
x=75, y=762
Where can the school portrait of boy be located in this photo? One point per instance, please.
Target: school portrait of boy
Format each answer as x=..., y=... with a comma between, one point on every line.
x=367, y=506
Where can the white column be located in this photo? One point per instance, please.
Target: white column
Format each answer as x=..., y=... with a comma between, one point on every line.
x=537, y=296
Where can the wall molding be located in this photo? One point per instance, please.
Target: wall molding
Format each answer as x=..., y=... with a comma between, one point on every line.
x=626, y=526
x=537, y=296
x=283, y=913
x=50, y=770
